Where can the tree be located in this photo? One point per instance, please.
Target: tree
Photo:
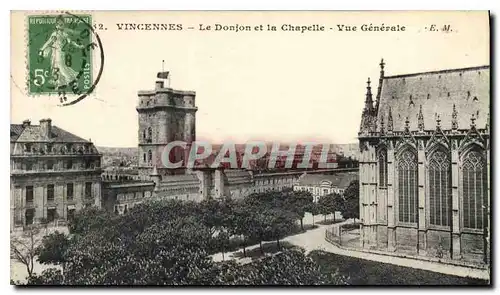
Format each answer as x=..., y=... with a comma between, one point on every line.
x=313, y=208
x=87, y=219
x=49, y=276
x=53, y=248
x=238, y=222
x=289, y=267
x=337, y=204
x=169, y=243
x=325, y=205
x=351, y=203
x=23, y=247
x=298, y=202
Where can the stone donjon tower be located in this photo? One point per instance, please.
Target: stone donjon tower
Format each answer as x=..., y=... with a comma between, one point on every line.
x=425, y=165
x=165, y=115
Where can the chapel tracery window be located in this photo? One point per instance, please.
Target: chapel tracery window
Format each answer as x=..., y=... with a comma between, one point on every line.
x=439, y=188
x=474, y=189
x=407, y=186
x=382, y=166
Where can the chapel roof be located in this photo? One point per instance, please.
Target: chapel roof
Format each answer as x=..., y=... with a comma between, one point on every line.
x=436, y=93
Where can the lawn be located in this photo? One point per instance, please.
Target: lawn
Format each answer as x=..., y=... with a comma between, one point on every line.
x=365, y=272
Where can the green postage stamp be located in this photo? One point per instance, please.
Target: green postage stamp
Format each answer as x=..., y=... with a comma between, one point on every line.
x=60, y=55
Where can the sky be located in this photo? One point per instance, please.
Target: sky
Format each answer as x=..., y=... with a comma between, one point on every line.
x=258, y=85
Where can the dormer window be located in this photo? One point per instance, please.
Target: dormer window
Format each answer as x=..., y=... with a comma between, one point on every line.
x=27, y=147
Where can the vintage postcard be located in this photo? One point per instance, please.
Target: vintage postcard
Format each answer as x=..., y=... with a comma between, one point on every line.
x=250, y=148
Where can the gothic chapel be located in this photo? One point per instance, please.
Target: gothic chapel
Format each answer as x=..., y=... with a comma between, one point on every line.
x=425, y=165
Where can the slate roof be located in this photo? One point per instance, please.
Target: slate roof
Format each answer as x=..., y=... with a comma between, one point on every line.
x=337, y=180
x=15, y=131
x=436, y=93
x=32, y=133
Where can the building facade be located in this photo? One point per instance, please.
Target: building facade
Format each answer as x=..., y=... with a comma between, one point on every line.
x=53, y=174
x=320, y=185
x=424, y=169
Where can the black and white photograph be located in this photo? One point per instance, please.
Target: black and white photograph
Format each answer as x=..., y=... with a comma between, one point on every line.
x=250, y=148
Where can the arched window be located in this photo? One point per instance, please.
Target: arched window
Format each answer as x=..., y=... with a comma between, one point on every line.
x=150, y=156
x=150, y=133
x=439, y=188
x=144, y=157
x=407, y=186
x=474, y=189
x=382, y=167
x=144, y=134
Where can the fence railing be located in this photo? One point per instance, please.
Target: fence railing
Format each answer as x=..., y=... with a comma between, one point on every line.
x=339, y=235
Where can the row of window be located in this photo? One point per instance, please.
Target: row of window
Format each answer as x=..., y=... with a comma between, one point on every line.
x=273, y=181
x=52, y=214
x=50, y=192
x=474, y=187
x=29, y=165
x=49, y=149
x=324, y=191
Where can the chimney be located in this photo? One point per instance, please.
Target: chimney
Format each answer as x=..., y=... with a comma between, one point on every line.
x=46, y=127
x=26, y=123
x=159, y=85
